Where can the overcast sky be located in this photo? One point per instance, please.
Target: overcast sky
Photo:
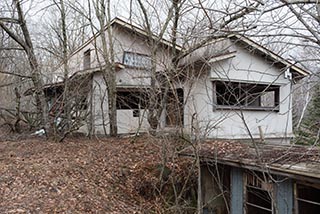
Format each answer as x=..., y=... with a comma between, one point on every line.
x=39, y=14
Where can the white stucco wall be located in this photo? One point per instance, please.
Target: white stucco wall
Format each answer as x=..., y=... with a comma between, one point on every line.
x=228, y=124
x=123, y=40
x=127, y=78
x=126, y=122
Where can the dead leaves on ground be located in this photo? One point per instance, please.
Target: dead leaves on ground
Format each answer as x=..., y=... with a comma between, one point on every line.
x=81, y=176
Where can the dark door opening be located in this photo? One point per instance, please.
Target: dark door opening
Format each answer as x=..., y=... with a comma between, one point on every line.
x=174, y=108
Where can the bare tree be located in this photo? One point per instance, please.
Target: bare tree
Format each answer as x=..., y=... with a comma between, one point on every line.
x=103, y=13
x=25, y=42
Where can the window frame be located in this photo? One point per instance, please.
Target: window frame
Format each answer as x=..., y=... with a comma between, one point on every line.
x=87, y=59
x=139, y=55
x=268, y=87
x=298, y=199
x=255, y=175
x=126, y=104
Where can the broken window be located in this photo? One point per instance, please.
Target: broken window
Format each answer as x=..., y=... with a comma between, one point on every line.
x=307, y=199
x=136, y=60
x=246, y=95
x=258, y=194
x=131, y=99
x=86, y=60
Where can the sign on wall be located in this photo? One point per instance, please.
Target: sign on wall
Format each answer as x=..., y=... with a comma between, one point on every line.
x=136, y=60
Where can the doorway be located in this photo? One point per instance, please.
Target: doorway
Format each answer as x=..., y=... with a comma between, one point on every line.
x=174, y=108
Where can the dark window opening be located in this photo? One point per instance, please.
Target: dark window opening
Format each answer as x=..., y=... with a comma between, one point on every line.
x=86, y=60
x=258, y=194
x=215, y=184
x=258, y=201
x=246, y=95
x=308, y=199
x=136, y=113
x=134, y=99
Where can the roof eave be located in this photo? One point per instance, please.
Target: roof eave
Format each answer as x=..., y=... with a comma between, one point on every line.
x=300, y=72
x=143, y=32
x=277, y=169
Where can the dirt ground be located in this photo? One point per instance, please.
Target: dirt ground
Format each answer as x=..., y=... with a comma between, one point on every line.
x=109, y=175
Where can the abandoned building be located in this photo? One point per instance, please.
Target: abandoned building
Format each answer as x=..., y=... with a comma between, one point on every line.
x=232, y=90
x=242, y=178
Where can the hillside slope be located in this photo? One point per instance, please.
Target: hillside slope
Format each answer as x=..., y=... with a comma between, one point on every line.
x=111, y=175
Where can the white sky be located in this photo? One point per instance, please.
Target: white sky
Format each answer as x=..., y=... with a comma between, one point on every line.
x=38, y=13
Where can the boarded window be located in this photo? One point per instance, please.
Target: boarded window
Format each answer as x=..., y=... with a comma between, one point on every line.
x=86, y=60
x=245, y=95
x=308, y=199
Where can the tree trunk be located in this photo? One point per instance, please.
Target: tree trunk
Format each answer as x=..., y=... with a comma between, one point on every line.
x=109, y=72
x=66, y=95
x=35, y=69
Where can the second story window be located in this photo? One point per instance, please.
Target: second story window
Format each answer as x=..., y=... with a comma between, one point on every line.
x=86, y=59
x=136, y=60
x=251, y=96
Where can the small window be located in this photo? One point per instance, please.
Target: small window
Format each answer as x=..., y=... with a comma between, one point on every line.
x=136, y=60
x=308, y=199
x=86, y=60
x=136, y=113
x=131, y=99
x=258, y=194
x=231, y=95
x=83, y=103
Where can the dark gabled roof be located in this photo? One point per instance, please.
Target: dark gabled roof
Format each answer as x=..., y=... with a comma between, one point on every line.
x=239, y=39
x=250, y=45
x=79, y=73
x=32, y=90
x=130, y=27
x=297, y=71
x=142, y=32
